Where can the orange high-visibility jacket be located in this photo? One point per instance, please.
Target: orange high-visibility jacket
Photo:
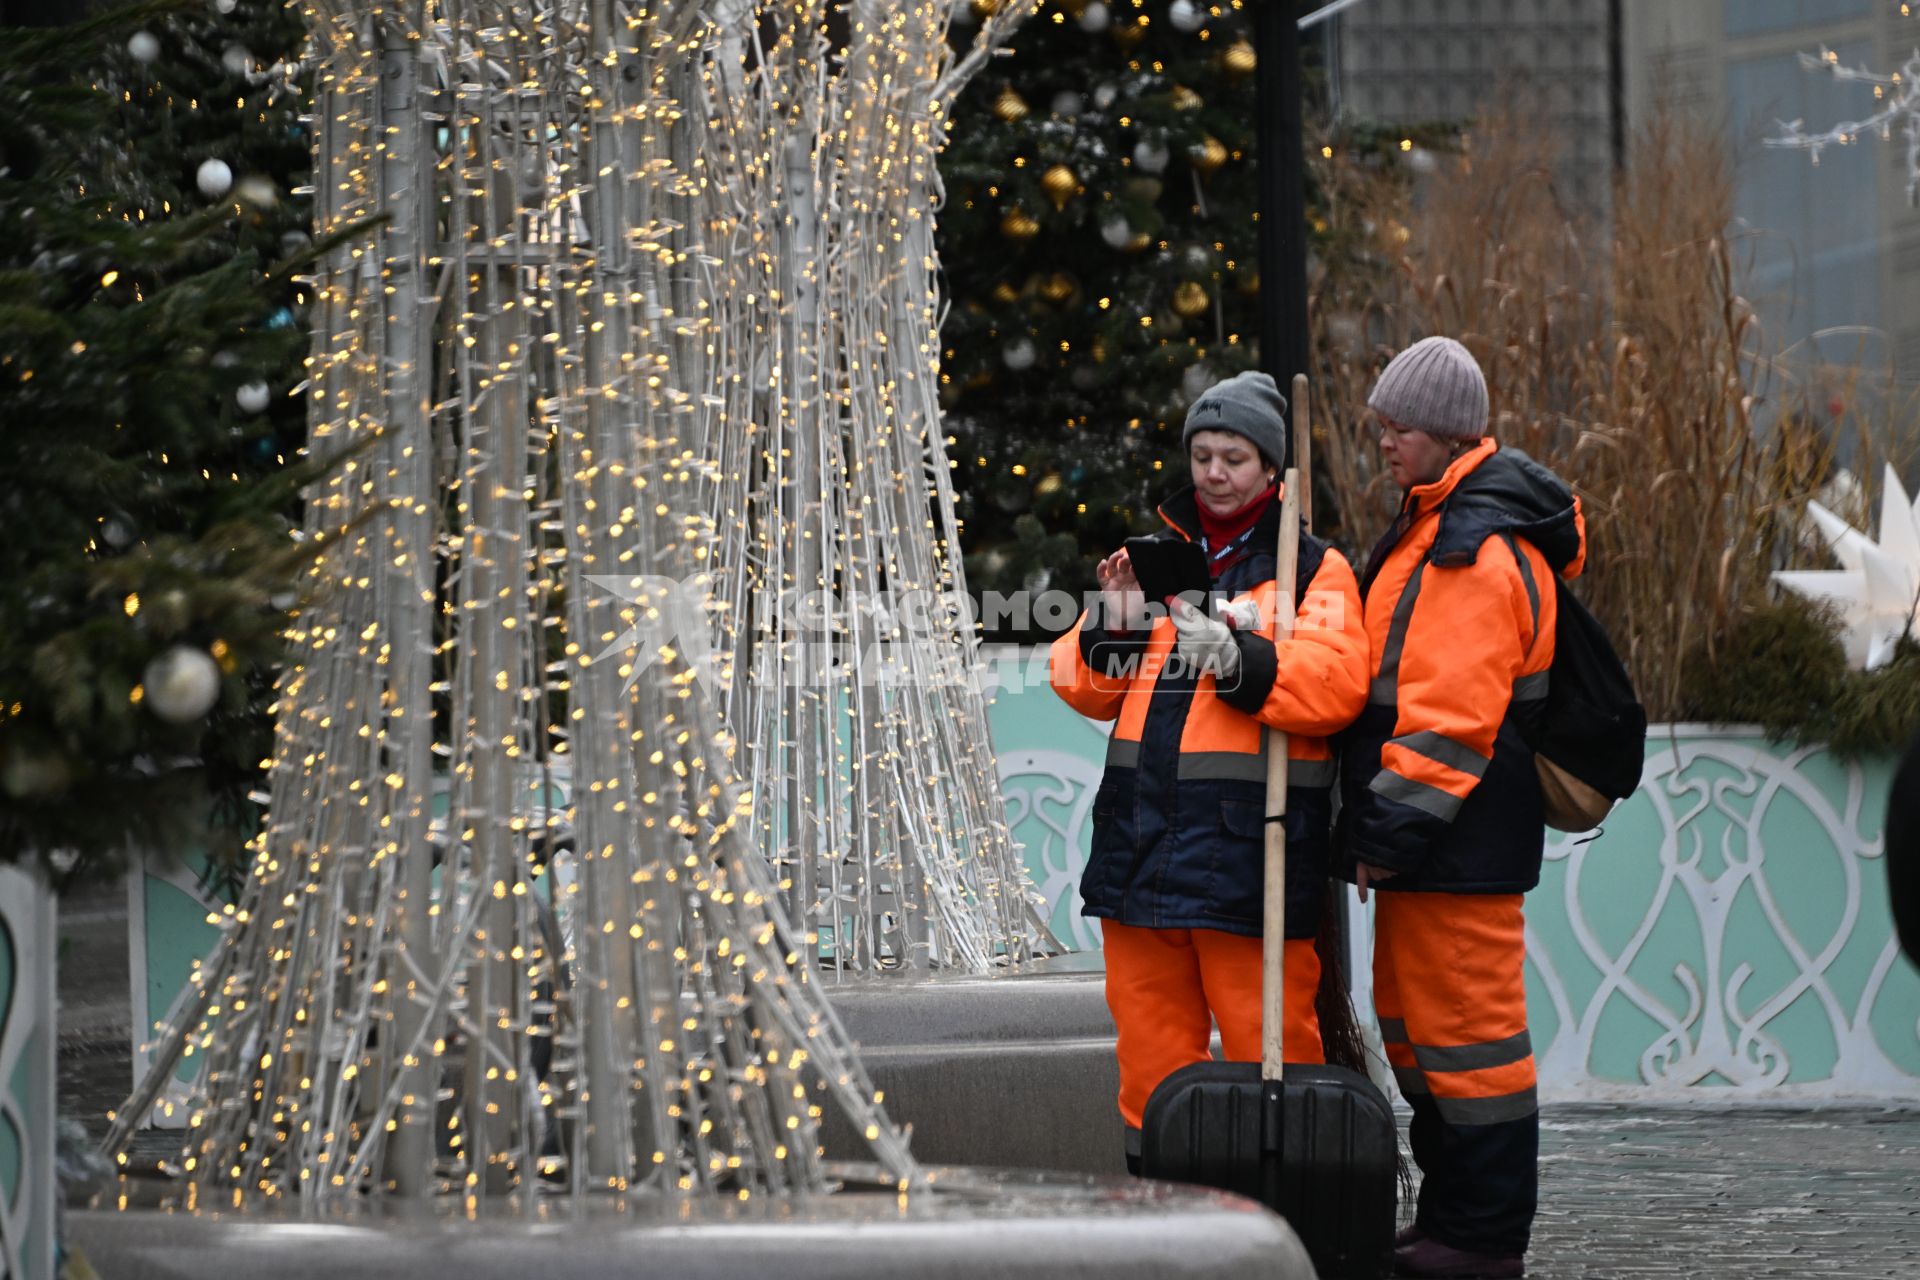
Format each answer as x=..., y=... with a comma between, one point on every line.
x=1436, y=783
x=1178, y=821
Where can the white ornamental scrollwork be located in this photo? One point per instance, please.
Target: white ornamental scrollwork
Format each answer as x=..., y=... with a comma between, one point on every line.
x=1049, y=799
x=1712, y=800
x=26, y=1038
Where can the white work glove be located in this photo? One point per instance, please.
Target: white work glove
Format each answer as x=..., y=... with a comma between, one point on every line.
x=1241, y=615
x=1206, y=644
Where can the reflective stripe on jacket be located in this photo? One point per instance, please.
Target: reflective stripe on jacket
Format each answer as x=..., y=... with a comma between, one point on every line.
x=1178, y=822
x=1436, y=783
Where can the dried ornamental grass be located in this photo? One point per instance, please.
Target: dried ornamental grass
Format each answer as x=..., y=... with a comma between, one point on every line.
x=1622, y=355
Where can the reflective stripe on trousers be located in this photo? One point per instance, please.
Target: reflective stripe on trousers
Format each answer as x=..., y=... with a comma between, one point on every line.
x=1449, y=988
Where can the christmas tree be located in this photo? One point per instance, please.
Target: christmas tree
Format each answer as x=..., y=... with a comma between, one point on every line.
x=148, y=343
x=1100, y=246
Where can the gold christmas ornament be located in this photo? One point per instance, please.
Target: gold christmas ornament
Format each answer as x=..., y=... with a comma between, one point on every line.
x=1059, y=288
x=1018, y=226
x=1061, y=185
x=1098, y=350
x=1005, y=294
x=985, y=8
x=1139, y=242
x=1248, y=282
x=1190, y=301
x=1208, y=155
x=1127, y=34
x=1239, y=59
x=1010, y=106
x=1049, y=484
x=1185, y=99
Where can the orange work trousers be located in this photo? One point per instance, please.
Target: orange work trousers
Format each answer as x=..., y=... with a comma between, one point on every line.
x=1449, y=988
x=1168, y=987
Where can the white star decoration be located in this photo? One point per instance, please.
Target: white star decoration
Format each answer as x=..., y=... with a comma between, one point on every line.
x=1878, y=592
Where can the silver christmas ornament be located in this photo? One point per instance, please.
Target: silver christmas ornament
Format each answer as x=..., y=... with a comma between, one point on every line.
x=213, y=178
x=1019, y=354
x=1105, y=96
x=182, y=684
x=257, y=191
x=1094, y=18
x=28, y=774
x=1195, y=381
x=237, y=60
x=1116, y=232
x=144, y=46
x=1067, y=104
x=252, y=397
x=1186, y=16
x=1150, y=156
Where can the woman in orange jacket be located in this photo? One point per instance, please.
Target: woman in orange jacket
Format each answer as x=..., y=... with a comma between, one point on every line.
x=1441, y=809
x=1176, y=871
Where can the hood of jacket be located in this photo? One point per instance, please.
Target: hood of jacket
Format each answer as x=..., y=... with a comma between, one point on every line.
x=1510, y=493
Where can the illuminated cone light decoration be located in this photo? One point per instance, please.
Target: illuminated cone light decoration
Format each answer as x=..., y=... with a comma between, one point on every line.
x=654, y=298
x=1877, y=593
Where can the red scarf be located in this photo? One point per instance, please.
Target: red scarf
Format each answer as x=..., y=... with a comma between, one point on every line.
x=1222, y=530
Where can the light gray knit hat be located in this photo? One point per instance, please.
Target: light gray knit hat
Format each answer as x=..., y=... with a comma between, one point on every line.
x=1434, y=386
x=1248, y=404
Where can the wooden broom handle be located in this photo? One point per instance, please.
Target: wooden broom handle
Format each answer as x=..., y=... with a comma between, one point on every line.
x=1303, y=448
x=1273, y=929
x=1296, y=506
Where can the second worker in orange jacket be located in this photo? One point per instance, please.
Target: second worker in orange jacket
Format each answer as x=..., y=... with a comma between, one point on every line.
x=1441, y=805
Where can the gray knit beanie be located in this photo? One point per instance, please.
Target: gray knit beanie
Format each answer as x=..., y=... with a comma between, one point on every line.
x=1434, y=386
x=1248, y=404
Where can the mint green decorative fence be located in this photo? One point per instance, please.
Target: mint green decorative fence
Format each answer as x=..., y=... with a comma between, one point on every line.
x=27, y=1038
x=1729, y=932
x=1726, y=935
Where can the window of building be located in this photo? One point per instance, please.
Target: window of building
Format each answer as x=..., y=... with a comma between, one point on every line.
x=1758, y=17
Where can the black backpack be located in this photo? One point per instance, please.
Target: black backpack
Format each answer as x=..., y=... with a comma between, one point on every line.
x=1589, y=734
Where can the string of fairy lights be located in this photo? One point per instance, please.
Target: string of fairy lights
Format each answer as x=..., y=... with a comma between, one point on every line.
x=653, y=294
x=1896, y=97
x=839, y=471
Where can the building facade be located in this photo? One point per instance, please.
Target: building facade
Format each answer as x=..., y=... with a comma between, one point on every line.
x=1829, y=253
x=1426, y=61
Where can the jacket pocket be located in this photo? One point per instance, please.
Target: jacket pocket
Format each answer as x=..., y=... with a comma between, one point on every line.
x=1103, y=882
x=1237, y=862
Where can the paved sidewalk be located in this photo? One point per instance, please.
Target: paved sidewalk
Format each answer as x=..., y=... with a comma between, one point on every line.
x=1641, y=1191
x=1625, y=1191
